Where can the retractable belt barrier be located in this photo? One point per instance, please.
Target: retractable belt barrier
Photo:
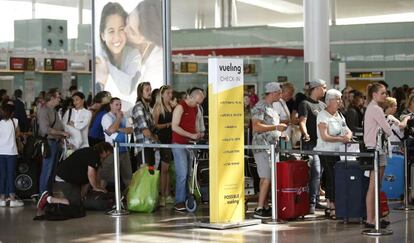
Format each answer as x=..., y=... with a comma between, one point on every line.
x=274, y=159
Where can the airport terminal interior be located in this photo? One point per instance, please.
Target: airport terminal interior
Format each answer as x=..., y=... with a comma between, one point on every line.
x=99, y=90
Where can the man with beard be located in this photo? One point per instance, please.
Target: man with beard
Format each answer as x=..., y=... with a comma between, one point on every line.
x=144, y=126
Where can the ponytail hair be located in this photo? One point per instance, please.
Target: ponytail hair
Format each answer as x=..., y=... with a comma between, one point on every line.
x=371, y=89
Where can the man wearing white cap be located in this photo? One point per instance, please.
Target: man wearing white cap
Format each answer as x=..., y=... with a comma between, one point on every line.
x=266, y=130
x=308, y=111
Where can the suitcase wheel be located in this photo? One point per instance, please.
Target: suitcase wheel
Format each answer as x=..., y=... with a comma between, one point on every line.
x=191, y=204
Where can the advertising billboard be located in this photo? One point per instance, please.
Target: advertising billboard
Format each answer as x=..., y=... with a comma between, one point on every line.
x=127, y=47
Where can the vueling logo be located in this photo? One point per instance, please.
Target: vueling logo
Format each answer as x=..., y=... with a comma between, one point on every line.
x=230, y=68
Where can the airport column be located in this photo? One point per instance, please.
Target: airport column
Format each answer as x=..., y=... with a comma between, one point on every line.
x=316, y=40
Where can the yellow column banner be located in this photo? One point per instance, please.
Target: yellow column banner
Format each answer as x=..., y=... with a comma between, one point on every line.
x=226, y=140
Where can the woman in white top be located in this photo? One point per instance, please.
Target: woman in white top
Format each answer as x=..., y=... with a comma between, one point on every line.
x=144, y=33
x=76, y=121
x=332, y=134
x=288, y=90
x=390, y=108
x=8, y=155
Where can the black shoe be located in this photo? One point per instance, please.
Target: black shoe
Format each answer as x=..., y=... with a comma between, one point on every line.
x=268, y=211
x=261, y=214
x=385, y=222
x=39, y=218
x=372, y=226
x=320, y=206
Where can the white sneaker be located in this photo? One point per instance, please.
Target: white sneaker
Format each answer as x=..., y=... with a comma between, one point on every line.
x=16, y=203
x=2, y=203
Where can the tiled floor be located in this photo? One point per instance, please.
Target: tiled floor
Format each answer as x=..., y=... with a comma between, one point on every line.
x=16, y=225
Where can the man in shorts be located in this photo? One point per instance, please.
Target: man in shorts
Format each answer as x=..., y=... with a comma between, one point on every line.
x=266, y=131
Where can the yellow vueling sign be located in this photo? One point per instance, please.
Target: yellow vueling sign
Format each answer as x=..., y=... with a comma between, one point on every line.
x=226, y=140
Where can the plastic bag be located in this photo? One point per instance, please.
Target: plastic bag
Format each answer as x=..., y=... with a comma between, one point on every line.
x=143, y=191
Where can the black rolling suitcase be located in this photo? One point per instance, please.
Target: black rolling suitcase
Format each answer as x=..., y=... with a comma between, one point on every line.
x=350, y=191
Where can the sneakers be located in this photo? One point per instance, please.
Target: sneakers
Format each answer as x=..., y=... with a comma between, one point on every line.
x=41, y=204
x=161, y=203
x=312, y=209
x=169, y=200
x=16, y=203
x=180, y=207
x=13, y=203
x=260, y=213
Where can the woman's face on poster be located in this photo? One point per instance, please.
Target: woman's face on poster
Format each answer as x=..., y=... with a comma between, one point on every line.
x=114, y=34
x=132, y=31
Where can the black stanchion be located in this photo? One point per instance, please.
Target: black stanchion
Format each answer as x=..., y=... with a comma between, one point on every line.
x=405, y=207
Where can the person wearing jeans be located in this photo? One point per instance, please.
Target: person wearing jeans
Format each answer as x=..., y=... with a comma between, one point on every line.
x=8, y=155
x=182, y=161
x=51, y=127
x=184, y=129
x=48, y=165
x=308, y=111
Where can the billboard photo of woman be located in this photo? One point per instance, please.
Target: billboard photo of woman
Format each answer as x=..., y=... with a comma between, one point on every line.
x=128, y=47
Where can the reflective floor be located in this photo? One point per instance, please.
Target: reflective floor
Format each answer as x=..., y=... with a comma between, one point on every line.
x=165, y=225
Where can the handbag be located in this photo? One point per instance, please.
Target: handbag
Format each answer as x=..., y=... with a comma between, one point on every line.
x=45, y=147
x=366, y=163
x=384, y=208
x=19, y=144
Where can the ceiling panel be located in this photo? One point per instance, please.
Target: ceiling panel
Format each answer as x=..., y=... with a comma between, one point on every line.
x=184, y=12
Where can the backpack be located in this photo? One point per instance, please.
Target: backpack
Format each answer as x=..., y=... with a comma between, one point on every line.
x=59, y=211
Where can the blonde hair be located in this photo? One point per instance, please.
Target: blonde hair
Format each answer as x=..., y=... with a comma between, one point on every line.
x=159, y=102
x=287, y=86
x=409, y=100
x=389, y=102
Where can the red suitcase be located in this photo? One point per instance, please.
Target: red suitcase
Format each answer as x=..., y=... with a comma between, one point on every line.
x=292, y=189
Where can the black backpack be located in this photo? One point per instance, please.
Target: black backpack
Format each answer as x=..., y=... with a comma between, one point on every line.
x=58, y=211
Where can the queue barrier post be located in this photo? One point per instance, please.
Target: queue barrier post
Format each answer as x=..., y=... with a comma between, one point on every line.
x=274, y=159
x=405, y=204
x=118, y=211
x=377, y=231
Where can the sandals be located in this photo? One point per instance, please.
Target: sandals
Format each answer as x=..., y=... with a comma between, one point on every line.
x=332, y=214
x=327, y=212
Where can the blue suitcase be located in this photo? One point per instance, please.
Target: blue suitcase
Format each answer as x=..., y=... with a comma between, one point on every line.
x=393, y=180
x=350, y=191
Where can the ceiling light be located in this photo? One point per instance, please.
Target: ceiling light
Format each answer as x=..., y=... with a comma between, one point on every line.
x=389, y=18
x=276, y=5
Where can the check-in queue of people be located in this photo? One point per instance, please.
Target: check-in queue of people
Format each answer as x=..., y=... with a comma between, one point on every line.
x=323, y=126
x=74, y=127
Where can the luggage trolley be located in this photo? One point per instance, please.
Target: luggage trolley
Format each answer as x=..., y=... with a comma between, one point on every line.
x=197, y=171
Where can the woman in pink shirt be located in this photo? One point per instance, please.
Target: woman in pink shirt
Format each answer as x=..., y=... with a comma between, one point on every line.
x=375, y=118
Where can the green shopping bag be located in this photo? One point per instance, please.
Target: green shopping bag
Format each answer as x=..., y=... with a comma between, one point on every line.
x=143, y=191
